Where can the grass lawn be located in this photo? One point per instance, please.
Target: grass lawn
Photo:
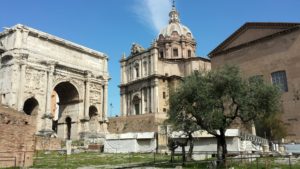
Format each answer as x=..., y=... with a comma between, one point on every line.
x=101, y=160
x=56, y=160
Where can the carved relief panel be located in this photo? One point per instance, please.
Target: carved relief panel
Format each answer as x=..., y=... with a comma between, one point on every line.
x=95, y=93
x=35, y=81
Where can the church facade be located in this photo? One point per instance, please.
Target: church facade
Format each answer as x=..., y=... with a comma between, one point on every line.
x=148, y=75
x=44, y=76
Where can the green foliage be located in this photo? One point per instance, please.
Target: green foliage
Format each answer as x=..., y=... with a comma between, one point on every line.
x=271, y=127
x=215, y=99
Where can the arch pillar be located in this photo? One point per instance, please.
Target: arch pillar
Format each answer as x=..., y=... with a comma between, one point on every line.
x=85, y=119
x=21, y=85
x=104, y=112
x=47, y=116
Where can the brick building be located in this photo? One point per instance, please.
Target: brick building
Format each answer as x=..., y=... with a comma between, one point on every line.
x=270, y=51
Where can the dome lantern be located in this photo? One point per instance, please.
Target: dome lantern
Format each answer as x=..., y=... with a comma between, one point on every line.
x=174, y=15
x=175, y=26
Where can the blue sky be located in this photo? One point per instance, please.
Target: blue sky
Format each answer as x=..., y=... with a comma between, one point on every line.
x=111, y=26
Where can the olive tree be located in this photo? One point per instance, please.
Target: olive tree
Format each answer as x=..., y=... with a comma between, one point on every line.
x=214, y=100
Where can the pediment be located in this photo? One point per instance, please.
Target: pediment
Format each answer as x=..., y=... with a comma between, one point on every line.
x=250, y=32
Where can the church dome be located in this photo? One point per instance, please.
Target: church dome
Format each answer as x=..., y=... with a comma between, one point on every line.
x=175, y=26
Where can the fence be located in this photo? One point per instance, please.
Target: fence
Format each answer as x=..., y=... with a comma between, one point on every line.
x=242, y=160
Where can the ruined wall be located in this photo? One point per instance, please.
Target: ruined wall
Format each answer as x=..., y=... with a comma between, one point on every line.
x=16, y=138
x=138, y=123
x=47, y=143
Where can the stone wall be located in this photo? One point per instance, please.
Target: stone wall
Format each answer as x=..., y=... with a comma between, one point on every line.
x=47, y=143
x=17, y=138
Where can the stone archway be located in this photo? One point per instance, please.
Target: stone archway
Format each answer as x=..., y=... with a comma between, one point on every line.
x=31, y=106
x=65, y=107
x=93, y=123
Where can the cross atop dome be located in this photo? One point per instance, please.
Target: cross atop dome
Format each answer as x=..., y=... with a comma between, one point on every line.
x=174, y=15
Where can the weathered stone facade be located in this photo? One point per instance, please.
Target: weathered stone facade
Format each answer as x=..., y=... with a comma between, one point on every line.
x=62, y=84
x=266, y=50
x=147, y=75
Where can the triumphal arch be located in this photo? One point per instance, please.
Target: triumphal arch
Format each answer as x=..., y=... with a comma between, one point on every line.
x=62, y=84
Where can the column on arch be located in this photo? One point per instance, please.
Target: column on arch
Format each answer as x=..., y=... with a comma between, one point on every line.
x=22, y=81
x=156, y=97
x=49, y=88
x=87, y=96
x=104, y=104
x=149, y=108
x=48, y=116
x=123, y=104
x=142, y=101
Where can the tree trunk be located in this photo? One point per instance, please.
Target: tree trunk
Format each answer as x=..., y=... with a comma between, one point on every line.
x=221, y=149
x=183, y=155
x=190, y=153
x=172, y=155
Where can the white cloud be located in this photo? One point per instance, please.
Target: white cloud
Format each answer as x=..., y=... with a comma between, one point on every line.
x=153, y=13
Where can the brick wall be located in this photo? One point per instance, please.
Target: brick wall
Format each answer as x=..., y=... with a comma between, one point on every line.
x=16, y=138
x=134, y=123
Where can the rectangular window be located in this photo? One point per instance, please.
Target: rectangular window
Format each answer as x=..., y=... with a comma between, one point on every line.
x=137, y=71
x=189, y=53
x=161, y=54
x=279, y=79
x=145, y=68
x=164, y=95
x=145, y=95
x=175, y=52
